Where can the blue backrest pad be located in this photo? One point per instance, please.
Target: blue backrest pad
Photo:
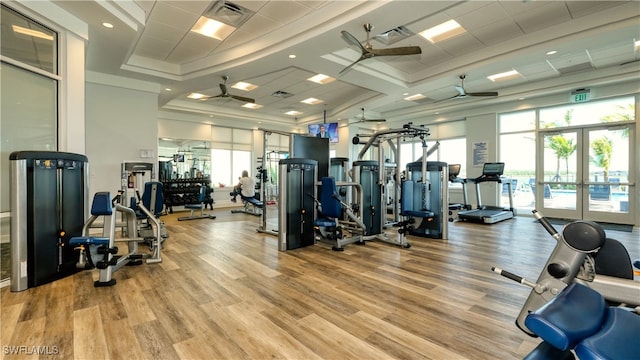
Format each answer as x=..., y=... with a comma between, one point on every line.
x=101, y=204
x=331, y=207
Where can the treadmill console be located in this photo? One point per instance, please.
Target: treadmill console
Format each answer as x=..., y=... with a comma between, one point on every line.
x=454, y=171
x=491, y=172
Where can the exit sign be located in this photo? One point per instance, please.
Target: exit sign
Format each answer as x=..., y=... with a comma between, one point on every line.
x=580, y=95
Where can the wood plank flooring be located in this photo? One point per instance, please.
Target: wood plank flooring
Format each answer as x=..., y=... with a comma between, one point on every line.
x=224, y=291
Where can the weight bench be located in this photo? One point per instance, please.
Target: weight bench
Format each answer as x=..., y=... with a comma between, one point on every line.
x=251, y=206
x=201, y=205
x=579, y=319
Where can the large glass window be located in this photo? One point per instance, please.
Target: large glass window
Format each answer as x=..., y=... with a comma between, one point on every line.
x=517, y=149
x=596, y=112
x=231, y=154
x=29, y=101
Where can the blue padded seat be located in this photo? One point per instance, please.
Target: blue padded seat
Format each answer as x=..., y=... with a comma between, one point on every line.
x=253, y=201
x=101, y=205
x=618, y=339
x=331, y=206
x=89, y=240
x=563, y=322
x=201, y=197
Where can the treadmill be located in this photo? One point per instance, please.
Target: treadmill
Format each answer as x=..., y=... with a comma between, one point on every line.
x=491, y=172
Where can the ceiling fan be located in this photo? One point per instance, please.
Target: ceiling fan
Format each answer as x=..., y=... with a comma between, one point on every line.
x=463, y=93
x=225, y=94
x=364, y=119
x=368, y=51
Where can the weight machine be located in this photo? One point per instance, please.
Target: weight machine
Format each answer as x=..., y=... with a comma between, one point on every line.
x=371, y=175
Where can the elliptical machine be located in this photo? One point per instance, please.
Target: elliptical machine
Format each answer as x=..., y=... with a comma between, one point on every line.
x=582, y=254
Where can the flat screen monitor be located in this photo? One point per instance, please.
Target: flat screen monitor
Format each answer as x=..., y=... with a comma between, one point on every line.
x=330, y=131
x=178, y=157
x=493, y=169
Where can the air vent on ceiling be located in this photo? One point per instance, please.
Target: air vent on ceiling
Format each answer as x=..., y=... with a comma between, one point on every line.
x=229, y=13
x=575, y=68
x=282, y=94
x=394, y=35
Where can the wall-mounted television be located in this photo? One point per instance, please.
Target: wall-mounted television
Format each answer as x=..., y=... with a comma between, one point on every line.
x=178, y=157
x=330, y=131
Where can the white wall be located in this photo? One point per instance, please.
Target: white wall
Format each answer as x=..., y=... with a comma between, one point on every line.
x=119, y=123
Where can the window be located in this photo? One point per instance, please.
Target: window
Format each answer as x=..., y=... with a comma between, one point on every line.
x=230, y=155
x=610, y=110
x=517, y=144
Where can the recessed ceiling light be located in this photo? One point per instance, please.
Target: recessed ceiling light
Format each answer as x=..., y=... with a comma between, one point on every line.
x=292, y=56
x=507, y=75
x=443, y=31
x=241, y=85
x=212, y=28
x=107, y=25
x=196, y=96
x=552, y=52
x=636, y=45
x=167, y=89
x=321, y=79
x=293, y=113
x=311, y=101
x=415, y=97
x=252, y=106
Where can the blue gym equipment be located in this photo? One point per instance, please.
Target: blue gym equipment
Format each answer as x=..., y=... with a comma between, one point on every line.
x=330, y=224
x=579, y=319
x=100, y=250
x=583, y=256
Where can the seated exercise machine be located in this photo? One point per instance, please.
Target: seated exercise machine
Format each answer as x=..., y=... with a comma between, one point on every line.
x=329, y=226
x=583, y=254
x=100, y=251
x=200, y=205
x=491, y=172
x=579, y=319
x=152, y=199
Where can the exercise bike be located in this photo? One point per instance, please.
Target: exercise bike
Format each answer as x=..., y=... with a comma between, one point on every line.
x=583, y=255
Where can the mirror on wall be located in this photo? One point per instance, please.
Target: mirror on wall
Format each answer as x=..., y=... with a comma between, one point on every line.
x=183, y=159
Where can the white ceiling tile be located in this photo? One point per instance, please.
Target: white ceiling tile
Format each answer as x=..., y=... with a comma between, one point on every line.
x=460, y=45
x=583, y=8
x=497, y=32
x=482, y=16
x=542, y=17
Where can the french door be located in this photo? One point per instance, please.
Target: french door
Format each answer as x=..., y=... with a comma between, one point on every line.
x=587, y=173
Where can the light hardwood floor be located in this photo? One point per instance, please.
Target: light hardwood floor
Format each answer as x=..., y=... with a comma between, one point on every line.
x=223, y=291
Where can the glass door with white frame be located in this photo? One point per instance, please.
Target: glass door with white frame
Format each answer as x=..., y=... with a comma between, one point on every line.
x=609, y=195
x=584, y=173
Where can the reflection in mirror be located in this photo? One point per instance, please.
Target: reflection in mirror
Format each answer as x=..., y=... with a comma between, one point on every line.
x=184, y=159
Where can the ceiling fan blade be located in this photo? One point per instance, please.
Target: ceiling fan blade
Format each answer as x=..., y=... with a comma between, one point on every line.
x=352, y=40
x=352, y=64
x=242, y=98
x=486, y=93
x=406, y=50
x=374, y=120
x=460, y=90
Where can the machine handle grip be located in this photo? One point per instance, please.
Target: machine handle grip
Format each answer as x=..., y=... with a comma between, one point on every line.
x=545, y=223
x=514, y=277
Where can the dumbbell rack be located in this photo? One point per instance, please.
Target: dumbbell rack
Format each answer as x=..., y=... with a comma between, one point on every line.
x=178, y=192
